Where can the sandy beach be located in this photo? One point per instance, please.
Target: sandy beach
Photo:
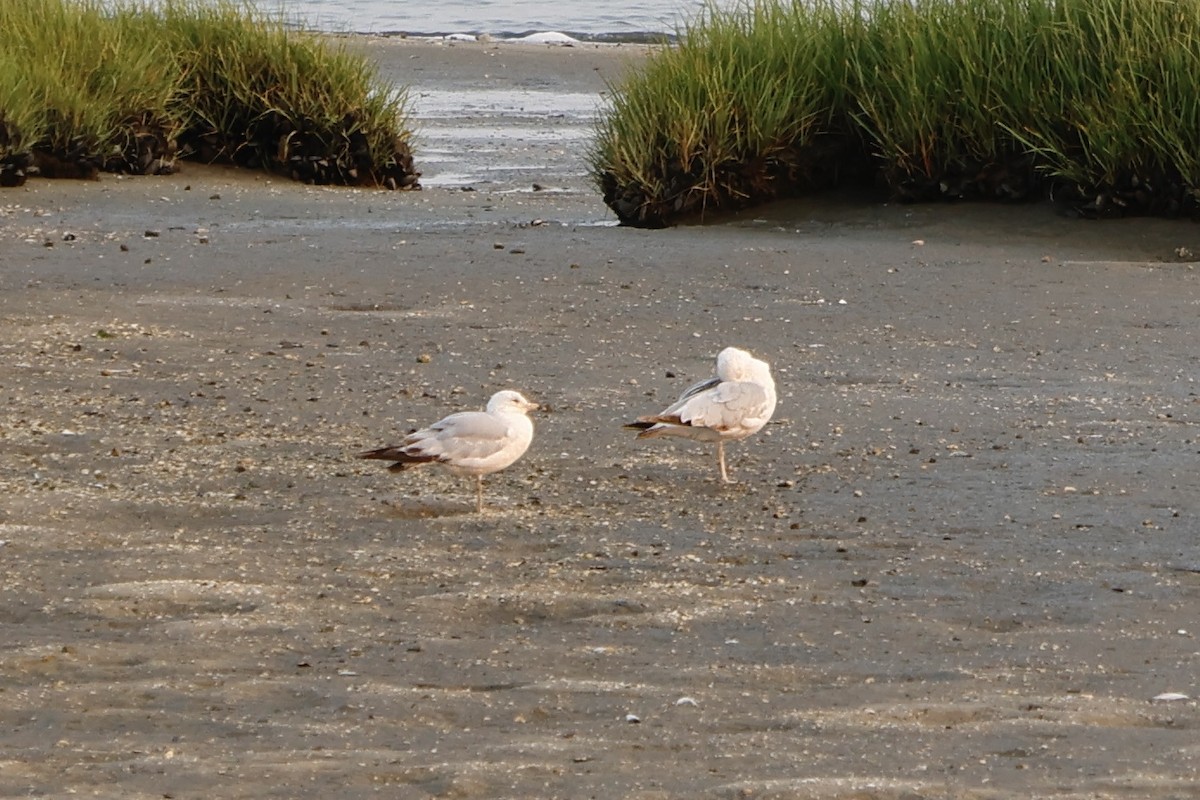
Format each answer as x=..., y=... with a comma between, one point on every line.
x=960, y=562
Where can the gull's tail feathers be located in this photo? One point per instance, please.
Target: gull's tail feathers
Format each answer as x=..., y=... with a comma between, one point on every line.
x=404, y=460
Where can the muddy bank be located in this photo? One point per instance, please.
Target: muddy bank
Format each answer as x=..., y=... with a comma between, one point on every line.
x=959, y=563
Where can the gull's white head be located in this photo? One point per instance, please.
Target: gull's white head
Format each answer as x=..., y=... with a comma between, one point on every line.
x=509, y=401
x=738, y=365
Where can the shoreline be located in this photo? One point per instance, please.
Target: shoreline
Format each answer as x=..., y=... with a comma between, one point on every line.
x=959, y=562
x=549, y=38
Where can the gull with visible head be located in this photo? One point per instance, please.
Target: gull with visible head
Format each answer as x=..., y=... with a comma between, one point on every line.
x=737, y=402
x=474, y=443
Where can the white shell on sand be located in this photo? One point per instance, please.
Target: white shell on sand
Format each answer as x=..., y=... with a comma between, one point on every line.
x=1170, y=697
x=548, y=37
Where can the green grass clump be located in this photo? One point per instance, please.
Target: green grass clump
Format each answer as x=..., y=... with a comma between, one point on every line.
x=1126, y=112
x=22, y=124
x=724, y=115
x=935, y=84
x=87, y=85
x=260, y=94
x=1003, y=99
x=79, y=87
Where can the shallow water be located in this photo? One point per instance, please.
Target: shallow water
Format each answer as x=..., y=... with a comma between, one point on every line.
x=495, y=137
x=619, y=20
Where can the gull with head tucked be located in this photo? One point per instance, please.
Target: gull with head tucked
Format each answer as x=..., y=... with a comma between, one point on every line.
x=735, y=403
x=474, y=443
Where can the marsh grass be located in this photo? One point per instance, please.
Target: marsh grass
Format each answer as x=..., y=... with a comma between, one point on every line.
x=78, y=87
x=1094, y=100
x=725, y=116
x=260, y=94
x=86, y=85
x=1126, y=110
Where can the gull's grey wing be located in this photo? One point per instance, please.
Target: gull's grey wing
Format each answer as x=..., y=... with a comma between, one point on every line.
x=690, y=392
x=465, y=435
x=729, y=405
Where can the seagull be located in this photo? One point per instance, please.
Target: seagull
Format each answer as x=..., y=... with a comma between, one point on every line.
x=737, y=402
x=468, y=443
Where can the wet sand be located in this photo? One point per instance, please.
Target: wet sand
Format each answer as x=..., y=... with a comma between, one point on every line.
x=960, y=563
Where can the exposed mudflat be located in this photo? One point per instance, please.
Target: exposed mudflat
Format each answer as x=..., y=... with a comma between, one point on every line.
x=960, y=563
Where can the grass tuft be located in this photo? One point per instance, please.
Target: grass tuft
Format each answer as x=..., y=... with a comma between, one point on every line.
x=78, y=87
x=87, y=85
x=1002, y=99
x=724, y=117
